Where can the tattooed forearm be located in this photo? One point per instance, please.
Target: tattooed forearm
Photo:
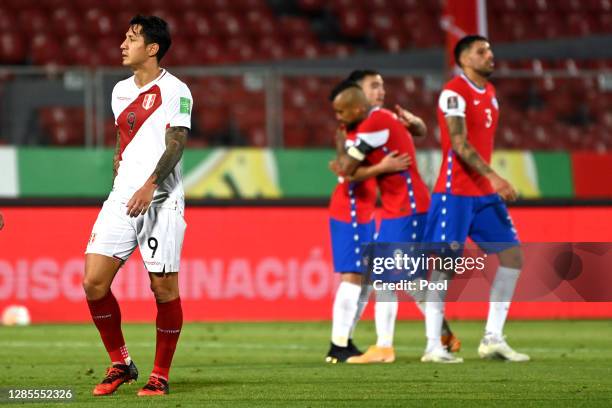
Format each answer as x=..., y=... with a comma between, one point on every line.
x=116, y=155
x=418, y=127
x=175, y=143
x=463, y=148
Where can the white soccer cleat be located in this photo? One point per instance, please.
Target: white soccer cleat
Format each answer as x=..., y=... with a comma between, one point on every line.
x=440, y=355
x=496, y=348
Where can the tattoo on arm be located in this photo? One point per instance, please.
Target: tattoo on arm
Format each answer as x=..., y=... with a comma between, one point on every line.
x=463, y=148
x=116, y=155
x=418, y=128
x=175, y=143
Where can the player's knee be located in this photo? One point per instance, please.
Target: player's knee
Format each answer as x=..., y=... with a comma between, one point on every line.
x=511, y=258
x=164, y=292
x=94, y=288
x=353, y=278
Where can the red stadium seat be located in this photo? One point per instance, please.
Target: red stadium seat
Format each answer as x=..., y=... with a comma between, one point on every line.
x=65, y=21
x=578, y=25
x=311, y=5
x=393, y=42
x=213, y=120
x=305, y=47
x=66, y=135
x=384, y=22
x=229, y=24
x=291, y=26
x=196, y=23
x=260, y=23
x=45, y=50
x=353, y=22
x=296, y=136
x=33, y=20
x=181, y=53
x=7, y=21
x=77, y=49
x=240, y=49
x=174, y=24
x=337, y=50
x=271, y=47
x=100, y=22
x=12, y=48
x=208, y=50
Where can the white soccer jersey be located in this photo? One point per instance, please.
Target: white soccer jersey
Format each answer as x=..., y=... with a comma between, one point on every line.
x=142, y=116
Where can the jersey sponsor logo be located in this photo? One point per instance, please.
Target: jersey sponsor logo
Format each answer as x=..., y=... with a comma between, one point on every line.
x=185, y=105
x=452, y=102
x=476, y=102
x=123, y=98
x=148, y=101
x=131, y=120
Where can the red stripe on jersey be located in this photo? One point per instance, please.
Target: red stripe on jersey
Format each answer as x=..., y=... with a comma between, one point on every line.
x=135, y=114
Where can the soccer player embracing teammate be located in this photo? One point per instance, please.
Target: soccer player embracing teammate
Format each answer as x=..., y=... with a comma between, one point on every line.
x=375, y=136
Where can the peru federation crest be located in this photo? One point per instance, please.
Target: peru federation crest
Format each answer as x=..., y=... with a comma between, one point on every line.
x=148, y=101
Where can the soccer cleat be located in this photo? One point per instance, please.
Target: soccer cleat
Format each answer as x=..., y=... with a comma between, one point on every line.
x=374, y=354
x=451, y=343
x=353, y=348
x=155, y=386
x=440, y=355
x=115, y=376
x=496, y=348
x=337, y=354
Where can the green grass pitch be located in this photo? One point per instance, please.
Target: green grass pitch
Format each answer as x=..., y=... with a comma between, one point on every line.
x=282, y=364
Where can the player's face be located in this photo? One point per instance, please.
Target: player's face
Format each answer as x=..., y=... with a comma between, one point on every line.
x=347, y=114
x=133, y=49
x=479, y=57
x=374, y=89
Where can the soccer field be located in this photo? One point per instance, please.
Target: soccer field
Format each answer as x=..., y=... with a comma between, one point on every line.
x=281, y=364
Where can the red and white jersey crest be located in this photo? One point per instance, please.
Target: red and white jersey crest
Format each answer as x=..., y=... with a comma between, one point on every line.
x=148, y=101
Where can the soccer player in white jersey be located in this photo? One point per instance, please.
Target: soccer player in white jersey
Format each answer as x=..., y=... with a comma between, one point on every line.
x=145, y=208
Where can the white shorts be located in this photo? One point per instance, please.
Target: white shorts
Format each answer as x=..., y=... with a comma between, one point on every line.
x=158, y=233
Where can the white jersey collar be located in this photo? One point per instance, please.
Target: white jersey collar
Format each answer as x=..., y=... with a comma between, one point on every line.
x=472, y=84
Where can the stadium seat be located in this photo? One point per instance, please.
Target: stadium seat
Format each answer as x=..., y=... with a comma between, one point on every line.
x=260, y=23
x=12, y=48
x=353, y=22
x=311, y=5
x=272, y=47
x=33, y=21
x=291, y=26
x=45, y=50
x=196, y=23
x=7, y=21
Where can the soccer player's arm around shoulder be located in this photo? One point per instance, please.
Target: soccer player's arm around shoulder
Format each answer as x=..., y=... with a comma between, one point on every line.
x=415, y=125
x=453, y=105
x=369, y=138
